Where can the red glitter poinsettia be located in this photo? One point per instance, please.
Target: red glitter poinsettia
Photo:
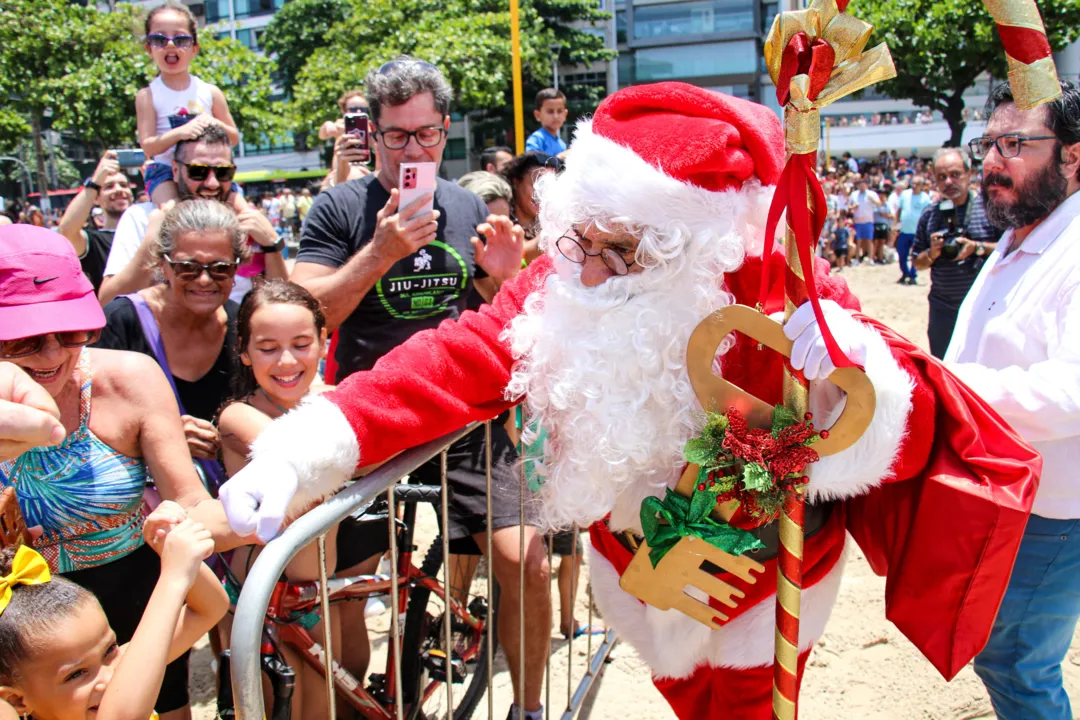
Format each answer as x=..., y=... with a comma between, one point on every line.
x=754, y=466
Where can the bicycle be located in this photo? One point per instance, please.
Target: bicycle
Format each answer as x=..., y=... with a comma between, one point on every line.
x=425, y=663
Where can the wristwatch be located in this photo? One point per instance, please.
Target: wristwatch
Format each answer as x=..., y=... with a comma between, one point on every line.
x=90, y=184
x=980, y=249
x=276, y=247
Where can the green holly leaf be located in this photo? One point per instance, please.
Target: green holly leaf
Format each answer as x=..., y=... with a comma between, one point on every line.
x=756, y=478
x=702, y=503
x=699, y=451
x=782, y=418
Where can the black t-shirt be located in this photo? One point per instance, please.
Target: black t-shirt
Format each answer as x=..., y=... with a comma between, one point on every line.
x=98, y=245
x=419, y=291
x=201, y=398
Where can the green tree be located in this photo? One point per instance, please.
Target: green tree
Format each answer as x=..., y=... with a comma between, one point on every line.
x=85, y=67
x=298, y=30
x=941, y=47
x=469, y=40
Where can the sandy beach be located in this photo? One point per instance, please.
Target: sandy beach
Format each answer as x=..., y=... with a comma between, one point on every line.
x=862, y=669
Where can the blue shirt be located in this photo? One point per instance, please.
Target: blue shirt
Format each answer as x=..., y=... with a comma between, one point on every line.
x=545, y=142
x=912, y=205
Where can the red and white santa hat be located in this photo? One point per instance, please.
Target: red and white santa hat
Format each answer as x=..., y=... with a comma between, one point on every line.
x=671, y=150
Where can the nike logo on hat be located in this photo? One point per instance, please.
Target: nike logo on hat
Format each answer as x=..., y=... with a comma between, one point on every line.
x=42, y=282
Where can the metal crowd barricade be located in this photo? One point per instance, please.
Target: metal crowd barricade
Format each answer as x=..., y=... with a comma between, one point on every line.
x=251, y=608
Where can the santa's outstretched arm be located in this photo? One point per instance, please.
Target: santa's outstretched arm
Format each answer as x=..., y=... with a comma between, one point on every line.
x=436, y=382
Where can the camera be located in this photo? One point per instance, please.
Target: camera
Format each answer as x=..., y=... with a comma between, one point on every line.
x=953, y=232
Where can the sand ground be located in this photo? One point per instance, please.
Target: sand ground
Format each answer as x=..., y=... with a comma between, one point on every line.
x=862, y=669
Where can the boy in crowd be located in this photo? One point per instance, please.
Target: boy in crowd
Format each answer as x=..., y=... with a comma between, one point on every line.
x=550, y=112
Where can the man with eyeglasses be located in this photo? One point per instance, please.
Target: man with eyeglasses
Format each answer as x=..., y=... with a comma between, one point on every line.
x=952, y=240
x=204, y=168
x=1017, y=344
x=385, y=273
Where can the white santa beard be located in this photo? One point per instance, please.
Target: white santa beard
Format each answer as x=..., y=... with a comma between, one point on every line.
x=604, y=372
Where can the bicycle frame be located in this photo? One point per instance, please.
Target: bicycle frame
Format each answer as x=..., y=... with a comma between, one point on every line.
x=289, y=600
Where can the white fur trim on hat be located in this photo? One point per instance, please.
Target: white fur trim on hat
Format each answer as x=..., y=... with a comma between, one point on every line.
x=320, y=445
x=619, y=183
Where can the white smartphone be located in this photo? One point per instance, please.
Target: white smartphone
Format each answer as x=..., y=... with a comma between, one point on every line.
x=416, y=179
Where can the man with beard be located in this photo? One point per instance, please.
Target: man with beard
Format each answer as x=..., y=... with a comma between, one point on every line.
x=202, y=167
x=959, y=217
x=109, y=190
x=1017, y=344
x=644, y=237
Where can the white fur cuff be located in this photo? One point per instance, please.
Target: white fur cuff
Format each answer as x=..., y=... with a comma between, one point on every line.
x=870, y=460
x=317, y=441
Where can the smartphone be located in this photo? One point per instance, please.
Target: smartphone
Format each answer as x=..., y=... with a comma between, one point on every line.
x=357, y=124
x=417, y=179
x=130, y=158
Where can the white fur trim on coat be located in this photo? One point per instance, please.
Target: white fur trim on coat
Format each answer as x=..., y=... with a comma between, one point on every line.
x=865, y=464
x=673, y=645
x=318, y=443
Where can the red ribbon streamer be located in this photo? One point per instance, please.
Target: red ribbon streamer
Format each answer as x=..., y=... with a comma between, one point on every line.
x=796, y=180
x=1024, y=44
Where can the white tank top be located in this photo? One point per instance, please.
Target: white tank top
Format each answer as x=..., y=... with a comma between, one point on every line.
x=171, y=106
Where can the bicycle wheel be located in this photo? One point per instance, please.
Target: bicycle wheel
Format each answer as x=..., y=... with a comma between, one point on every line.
x=421, y=683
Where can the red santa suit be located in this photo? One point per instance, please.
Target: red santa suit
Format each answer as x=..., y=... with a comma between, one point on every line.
x=936, y=491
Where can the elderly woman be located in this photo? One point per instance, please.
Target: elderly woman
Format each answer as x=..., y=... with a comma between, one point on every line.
x=85, y=492
x=187, y=323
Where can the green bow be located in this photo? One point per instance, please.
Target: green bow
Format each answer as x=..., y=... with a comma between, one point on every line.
x=689, y=517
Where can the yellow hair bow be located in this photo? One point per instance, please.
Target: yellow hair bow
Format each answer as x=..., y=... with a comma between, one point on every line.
x=29, y=568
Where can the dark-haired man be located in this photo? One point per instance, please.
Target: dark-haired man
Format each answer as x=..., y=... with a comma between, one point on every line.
x=384, y=273
x=204, y=168
x=109, y=191
x=1017, y=344
x=495, y=159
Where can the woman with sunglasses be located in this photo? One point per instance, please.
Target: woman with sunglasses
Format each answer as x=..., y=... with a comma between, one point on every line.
x=187, y=323
x=176, y=105
x=85, y=491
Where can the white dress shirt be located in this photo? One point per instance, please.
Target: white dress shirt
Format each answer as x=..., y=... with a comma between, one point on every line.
x=1017, y=344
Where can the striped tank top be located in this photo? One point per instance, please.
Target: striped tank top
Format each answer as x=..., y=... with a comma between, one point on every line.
x=86, y=496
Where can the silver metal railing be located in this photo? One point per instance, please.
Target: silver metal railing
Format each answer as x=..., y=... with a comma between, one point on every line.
x=251, y=608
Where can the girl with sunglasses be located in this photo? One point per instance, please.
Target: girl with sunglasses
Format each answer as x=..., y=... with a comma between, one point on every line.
x=121, y=426
x=177, y=105
x=187, y=322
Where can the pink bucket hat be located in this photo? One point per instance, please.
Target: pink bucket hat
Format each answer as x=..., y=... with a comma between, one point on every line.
x=42, y=286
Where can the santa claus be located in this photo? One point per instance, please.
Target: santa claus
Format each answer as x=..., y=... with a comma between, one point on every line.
x=656, y=222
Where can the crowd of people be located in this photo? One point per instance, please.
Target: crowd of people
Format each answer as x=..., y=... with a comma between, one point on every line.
x=160, y=336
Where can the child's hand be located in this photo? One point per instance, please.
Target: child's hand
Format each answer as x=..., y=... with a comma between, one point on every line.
x=186, y=547
x=193, y=128
x=161, y=522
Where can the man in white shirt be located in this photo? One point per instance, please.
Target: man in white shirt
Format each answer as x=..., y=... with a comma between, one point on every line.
x=1017, y=344
x=862, y=203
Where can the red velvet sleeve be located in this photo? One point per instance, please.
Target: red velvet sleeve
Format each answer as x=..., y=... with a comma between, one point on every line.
x=439, y=379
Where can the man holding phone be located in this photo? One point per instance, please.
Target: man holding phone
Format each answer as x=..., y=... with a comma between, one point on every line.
x=108, y=188
x=352, y=149
x=386, y=268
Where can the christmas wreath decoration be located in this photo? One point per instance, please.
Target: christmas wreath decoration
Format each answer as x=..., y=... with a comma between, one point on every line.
x=754, y=466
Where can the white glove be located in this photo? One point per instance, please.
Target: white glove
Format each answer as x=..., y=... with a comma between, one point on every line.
x=257, y=498
x=808, y=352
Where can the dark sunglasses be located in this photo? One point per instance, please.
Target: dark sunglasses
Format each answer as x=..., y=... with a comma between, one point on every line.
x=191, y=270
x=25, y=347
x=199, y=173
x=159, y=41
x=393, y=65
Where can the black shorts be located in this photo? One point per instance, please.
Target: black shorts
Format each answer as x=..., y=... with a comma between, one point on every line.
x=123, y=587
x=562, y=543
x=466, y=476
x=840, y=248
x=881, y=231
